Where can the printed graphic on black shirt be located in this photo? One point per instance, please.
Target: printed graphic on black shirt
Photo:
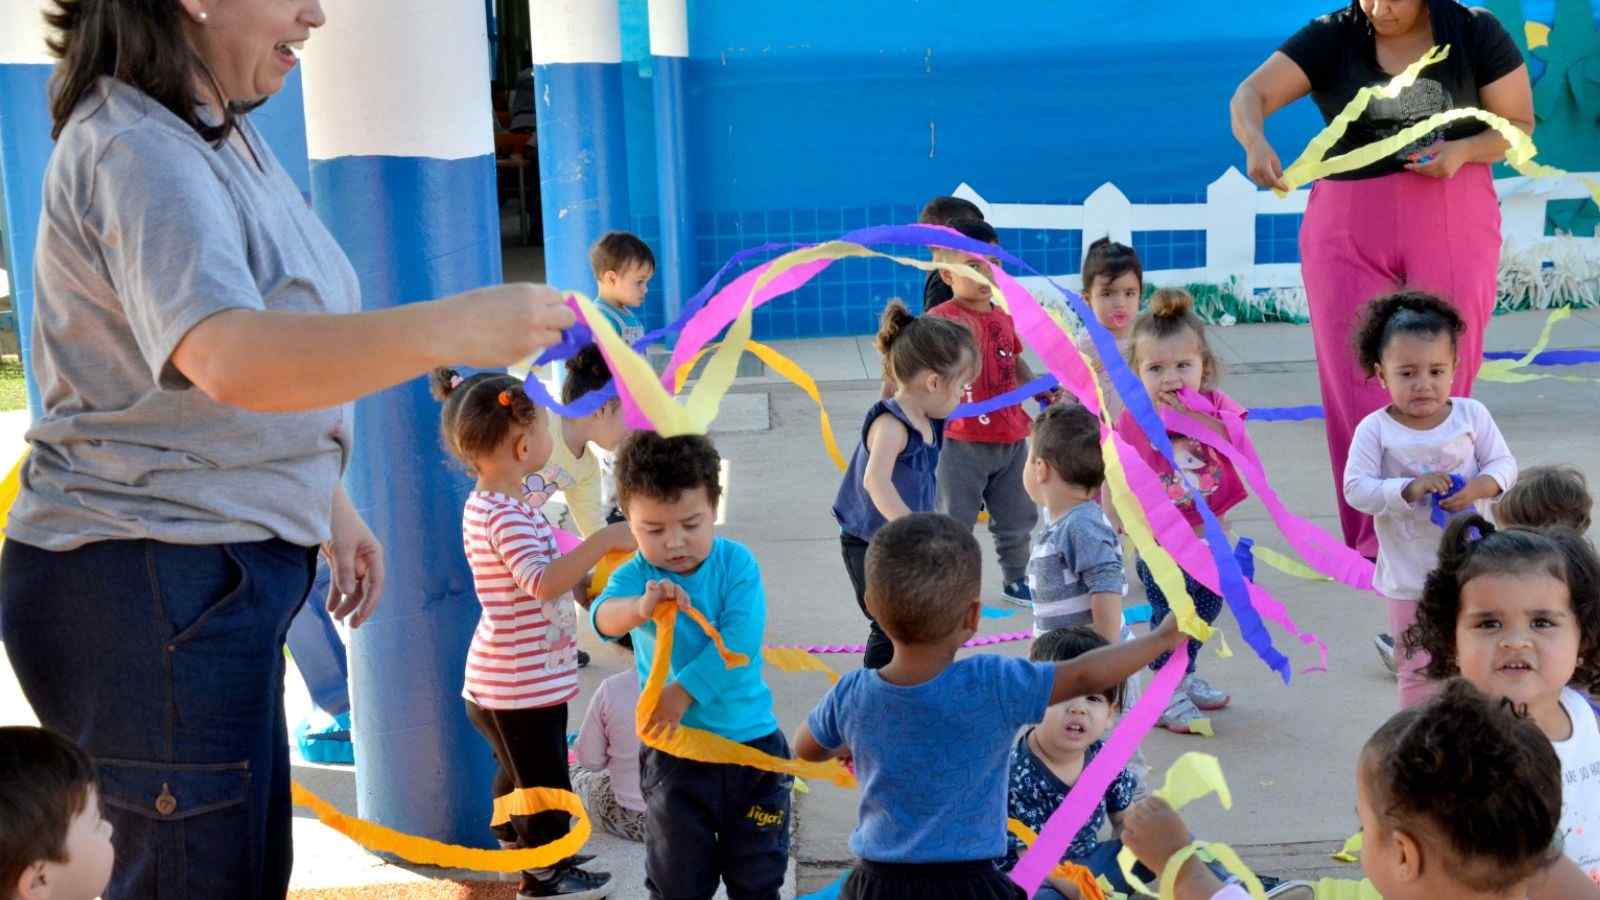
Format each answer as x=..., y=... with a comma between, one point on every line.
x=1389, y=116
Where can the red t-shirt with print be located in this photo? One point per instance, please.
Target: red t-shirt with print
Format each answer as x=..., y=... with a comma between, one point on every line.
x=999, y=349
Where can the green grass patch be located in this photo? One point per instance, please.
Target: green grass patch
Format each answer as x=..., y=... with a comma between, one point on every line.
x=13, y=394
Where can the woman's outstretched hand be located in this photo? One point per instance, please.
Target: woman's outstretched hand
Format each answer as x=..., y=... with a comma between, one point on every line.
x=504, y=324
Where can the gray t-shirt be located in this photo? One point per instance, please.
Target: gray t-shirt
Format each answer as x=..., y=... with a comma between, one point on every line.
x=1073, y=557
x=146, y=231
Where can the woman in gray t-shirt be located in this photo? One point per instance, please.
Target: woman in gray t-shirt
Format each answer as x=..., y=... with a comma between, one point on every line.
x=197, y=343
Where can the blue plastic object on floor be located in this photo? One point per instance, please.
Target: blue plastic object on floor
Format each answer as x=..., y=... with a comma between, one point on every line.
x=325, y=739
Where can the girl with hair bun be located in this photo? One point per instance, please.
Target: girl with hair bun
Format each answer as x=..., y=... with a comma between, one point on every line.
x=893, y=470
x=1169, y=353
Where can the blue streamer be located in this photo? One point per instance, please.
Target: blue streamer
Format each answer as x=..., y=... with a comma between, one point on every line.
x=1440, y=515
x=1550, y=357
x=1283, y=413
x=1012, y=397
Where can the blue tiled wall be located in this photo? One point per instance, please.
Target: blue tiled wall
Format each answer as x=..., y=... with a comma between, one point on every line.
x=1278, y=238
x=1170, y=249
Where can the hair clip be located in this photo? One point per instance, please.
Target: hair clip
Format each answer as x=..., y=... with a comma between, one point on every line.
x=455, y=381
x=505, y=398
x=1473, y=535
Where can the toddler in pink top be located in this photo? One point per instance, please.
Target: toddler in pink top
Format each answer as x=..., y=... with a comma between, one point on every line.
x=606, y=772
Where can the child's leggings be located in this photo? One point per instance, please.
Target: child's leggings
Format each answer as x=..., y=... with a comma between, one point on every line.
x=1373, y=236
x=1415, y=687
x=530, y=746
x=1206, y=603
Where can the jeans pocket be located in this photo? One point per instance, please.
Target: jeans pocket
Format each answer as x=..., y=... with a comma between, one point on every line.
x=194, y=586
x=181, y=829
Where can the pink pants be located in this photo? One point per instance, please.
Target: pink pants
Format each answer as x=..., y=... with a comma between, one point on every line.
x=1362, y=239
x=1415, y=687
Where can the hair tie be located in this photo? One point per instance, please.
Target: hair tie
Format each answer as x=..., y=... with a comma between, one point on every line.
x=505, y=398
x=1473, y=535
x=455, y=381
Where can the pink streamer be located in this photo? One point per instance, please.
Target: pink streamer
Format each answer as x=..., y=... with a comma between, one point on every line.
x=1326, y=555
x=566, y=541
x=1090, y=788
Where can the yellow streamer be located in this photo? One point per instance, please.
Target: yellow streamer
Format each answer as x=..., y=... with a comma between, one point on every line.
x=1287, y=565
x=1314, y=164
x=802, y=379
x=793, y=659
x=1351, y=851
x=1221, y=852
x=1192, y=776
x=1089, y=887
x=697, y=744
x=1508, y=371
x=9, y=488
x=425, y=851
x=1346, y=889
x=1537, y=34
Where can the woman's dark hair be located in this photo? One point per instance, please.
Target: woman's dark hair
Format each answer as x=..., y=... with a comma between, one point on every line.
x=1108, y=259
x=1407, y=312
x=944, y=210
x=1471, y=547
x=142, y=43
x=45, y=781
x=1473, y=774
x=1172, y=312
x=912, y=344
x=479, y=411
x=586, y=372
x=1547, y=495
x=1062, y=644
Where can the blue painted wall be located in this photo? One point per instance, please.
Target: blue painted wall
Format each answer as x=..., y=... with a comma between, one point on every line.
x=282, y=122
x=807, y=120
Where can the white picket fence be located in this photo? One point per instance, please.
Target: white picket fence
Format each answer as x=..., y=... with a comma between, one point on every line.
x=1228, y=218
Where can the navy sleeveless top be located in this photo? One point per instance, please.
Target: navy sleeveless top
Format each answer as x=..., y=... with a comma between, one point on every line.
x=914, y=475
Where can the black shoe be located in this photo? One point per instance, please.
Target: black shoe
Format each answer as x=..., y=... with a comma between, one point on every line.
x=566, y=881
x=583, y=660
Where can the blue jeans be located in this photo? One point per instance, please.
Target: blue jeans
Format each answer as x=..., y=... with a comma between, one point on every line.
x=165, y=663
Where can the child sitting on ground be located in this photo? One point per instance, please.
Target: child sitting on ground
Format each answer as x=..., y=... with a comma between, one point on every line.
x=983, y=456
x=1047, y=760
x=623, y=266
x=930, y=734
x=1517, y=613
x=930, y=361
x=1459, y=798
x=1547, y=495
x=606, y=772
x=703, y=821
x=53, y=843
x=522, y=666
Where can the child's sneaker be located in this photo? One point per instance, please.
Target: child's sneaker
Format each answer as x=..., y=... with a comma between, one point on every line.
x=1385, y=645
x=1293, y=890
x=1202, y=694
x=565, y=880
x=1179, y=715
x=1017, y=592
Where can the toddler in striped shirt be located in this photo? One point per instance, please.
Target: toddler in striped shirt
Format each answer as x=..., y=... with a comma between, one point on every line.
x=522, y=667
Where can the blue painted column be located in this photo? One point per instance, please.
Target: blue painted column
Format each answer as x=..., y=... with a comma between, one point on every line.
x=398, y=129
x=25, y=67
x=669, y=45
x=583, y=161
x=282, y=122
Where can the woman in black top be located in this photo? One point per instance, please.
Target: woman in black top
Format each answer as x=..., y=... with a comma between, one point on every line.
x=1426, y=217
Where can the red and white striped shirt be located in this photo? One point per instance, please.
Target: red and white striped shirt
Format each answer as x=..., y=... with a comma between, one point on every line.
x=524, y=653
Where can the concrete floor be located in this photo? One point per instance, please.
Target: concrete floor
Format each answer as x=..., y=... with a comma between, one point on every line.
x=1289, y=752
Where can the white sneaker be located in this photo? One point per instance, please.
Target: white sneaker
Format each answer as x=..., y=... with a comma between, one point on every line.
x=1293, y=890
x=1385, y=645
x=1203, y=695
x=1179, y=715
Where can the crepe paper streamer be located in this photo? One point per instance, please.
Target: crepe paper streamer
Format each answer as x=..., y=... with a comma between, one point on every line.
x=802, y=379
x=1133, y=615
x=982, y=640
x=1351, y=851
x=1089, y=790
x=428, y=852
x=1287, y=565
x=687, y=742
x=1191, y=777
x=9, y=488
x=1440, y=515
x=995, y=612
x=1569, y=357
x=1537, y=34
x=1081, y=878
x=1285, y=413
x=1325, y=554
x=1202, y=726
x=1041, y=385
x=793, y=659
x=1508, y=371
x=1313, y=163
x=1221, y=852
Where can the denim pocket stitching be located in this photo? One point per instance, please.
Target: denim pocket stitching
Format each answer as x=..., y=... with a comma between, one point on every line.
x=176, y=771
x=225, y=601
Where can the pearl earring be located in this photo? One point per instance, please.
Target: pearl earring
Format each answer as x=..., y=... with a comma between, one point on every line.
x=202, y=15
